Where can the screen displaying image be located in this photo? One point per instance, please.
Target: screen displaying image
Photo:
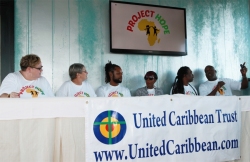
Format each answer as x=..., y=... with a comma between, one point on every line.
x=147, y=29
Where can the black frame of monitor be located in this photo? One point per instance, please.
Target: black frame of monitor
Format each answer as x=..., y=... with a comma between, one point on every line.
x=146, y=52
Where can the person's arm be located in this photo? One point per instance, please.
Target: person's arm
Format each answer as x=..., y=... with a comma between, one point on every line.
x=204, y=91
x=137, y=92
x=11, y=95
x=244, y=82
x=4, y=95
x=8, y=87
x=141, y=92
x=218, y=86
x=161, y=92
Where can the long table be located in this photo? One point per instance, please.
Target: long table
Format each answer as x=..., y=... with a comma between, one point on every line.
x=44, y=130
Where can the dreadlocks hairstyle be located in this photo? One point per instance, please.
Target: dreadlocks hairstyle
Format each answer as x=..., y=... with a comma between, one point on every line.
x=178, y=83
x=109, y=67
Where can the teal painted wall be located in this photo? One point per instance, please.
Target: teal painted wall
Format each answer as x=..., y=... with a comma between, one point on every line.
x=63, y=32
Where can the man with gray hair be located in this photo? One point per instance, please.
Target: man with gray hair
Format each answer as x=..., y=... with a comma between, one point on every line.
x=77, y=86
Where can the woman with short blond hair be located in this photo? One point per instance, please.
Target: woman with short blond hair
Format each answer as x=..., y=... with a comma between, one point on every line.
x=28, y=82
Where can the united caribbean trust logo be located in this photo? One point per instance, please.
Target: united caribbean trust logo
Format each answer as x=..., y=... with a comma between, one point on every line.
x=109, y=127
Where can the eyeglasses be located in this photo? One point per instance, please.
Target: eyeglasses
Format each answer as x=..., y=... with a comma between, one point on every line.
x=149, y=77
x=40, y=68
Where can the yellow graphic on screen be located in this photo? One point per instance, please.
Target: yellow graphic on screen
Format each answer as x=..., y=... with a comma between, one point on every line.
x=151, y=31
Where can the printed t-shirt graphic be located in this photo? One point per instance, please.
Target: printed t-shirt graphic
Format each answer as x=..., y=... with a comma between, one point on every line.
x=115, y=94
x=190, y=90
x=189, y=93
x=70, y=89
x=151, y=92
x=31, y=90
x=108, y=90
x=81, y=94
x=221, y=90
x=226, y=90
x=15, y=82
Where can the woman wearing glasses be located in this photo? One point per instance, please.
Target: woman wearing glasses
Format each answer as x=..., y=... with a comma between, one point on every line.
x=78, y=85
x=149, y=90
x=28, y=82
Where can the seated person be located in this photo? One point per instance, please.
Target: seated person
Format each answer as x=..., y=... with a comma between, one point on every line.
x=149, y=90
x=78, y=86
x=221, y=86
x=28, y=82
x=181, y=84
x=113, y=78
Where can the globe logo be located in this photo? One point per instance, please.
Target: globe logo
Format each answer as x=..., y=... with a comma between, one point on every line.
x=109, y=127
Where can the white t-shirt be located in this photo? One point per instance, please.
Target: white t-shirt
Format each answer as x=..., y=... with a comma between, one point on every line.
x=151, y=92
x=15, y=82
x=70, y=89
x=226, y=90
x=188, y=90
x=108, y=90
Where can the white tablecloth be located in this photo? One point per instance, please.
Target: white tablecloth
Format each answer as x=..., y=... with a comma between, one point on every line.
x=55, y=138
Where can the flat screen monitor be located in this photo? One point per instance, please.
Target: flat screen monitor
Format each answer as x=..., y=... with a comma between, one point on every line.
x=137, y=28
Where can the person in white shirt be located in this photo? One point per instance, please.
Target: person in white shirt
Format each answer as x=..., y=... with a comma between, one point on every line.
x=222, y=86
x=78, y=86
x=28, y=82
x=113, y=78
x=181, y=84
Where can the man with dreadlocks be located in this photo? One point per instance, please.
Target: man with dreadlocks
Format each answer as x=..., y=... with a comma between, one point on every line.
x=113, y=78
x=181, y=84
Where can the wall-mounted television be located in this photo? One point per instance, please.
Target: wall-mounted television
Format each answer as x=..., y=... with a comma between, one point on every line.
x=137, y=28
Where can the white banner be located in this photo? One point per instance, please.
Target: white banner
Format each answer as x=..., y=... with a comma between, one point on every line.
x=164, y=128
x=245, y=103
x=30, y=108
x=19, y=108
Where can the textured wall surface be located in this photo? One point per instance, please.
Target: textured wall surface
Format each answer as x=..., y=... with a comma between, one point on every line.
x=63, y=32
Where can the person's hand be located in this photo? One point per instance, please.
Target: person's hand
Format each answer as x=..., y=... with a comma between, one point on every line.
x=243, y=71
x=220, y=84
x=14, y=95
